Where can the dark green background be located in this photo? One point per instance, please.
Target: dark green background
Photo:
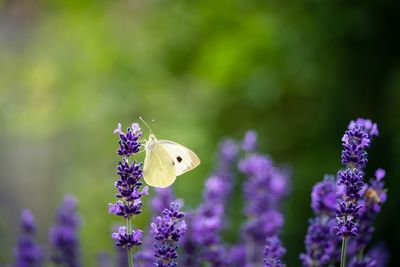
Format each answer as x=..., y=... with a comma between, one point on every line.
x=297, y=72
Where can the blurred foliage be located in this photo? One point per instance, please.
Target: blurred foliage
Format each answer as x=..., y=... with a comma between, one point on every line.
x=296, y=72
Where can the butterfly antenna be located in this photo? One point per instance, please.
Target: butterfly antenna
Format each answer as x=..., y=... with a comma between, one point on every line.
x=153, y=123
x=145, y=123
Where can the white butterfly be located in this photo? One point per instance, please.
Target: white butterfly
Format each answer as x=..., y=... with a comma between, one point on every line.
x=165, y=160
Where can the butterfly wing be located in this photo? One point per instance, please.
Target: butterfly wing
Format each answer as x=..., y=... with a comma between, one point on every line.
x=184, y=159
x=159, y=169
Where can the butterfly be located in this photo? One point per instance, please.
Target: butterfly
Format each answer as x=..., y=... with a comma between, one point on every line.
x=165, y=160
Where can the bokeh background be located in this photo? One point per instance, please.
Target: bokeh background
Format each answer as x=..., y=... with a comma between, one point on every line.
x=297, y=72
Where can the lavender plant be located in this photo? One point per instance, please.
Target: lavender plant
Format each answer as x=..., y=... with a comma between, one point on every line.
x=273, y=252
x=350, y=181
x=161, y=200
x=63, y=234
x=27, y=252
x=167, y=231
x=129, y=194
x=357, y=205
x=344, y=209
x=321, y=242
x=207, y=221
x=264, y=188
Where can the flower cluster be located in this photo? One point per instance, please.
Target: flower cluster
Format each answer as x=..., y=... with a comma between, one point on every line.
x=323, y=196
x=273, y=252
x=167, y=231
x=64, y=234
x=124, y=239
x=27, y=252
x=207, y=220
x=128, y=143
x=266, y=185
x=320, y=241
x=374, y=197
x=357, y=205
x=161, y=200
x=128, y=185
x=350, y=180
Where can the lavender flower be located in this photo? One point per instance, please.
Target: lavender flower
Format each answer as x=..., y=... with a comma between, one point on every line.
x=128, y=143
x=124, y=239
x=355, y=141
x=129, y=193
x=349, y=205
x=207, y=222
x=320, y=242
x=263, y=190
x=273, y=252
x=64, y=234
x=250, y=141
x=27, y=252
x=323, y=196
x=167, y=231
x=374, y=197
x=161, y=200
x=350, y=180
x=370, y=127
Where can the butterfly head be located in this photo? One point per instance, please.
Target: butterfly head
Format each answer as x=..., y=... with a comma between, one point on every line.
x=152, y=140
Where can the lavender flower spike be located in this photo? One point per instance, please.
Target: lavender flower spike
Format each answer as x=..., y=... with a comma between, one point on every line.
x=350, y=181
x=167, y=231
x=27, y=252
x=273, y=252
x=129, y=194
x=321, y=241
x=64, y=234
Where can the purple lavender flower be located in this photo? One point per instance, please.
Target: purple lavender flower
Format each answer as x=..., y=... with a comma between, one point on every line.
x=128, y=143
x=323, y=196
x=265, y=187
x=355, y=141
x=27, y=252
x=374, y=197
x=124, y=239
x=370, y=127
x=161, y=200
x=273, y=252
x=320, y=242
x=207, y=221
x=349, y=205
x=64, y=234
x=167, y=231
x=128, y=185
x=250, y=141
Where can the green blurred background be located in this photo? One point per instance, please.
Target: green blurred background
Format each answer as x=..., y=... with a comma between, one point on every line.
x=297, y=72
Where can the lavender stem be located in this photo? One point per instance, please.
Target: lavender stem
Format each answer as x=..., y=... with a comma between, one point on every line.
x=129, y=249
x=343, y=256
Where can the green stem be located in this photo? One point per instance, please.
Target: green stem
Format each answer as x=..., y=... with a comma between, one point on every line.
x=343, y=256
x=129, y=250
